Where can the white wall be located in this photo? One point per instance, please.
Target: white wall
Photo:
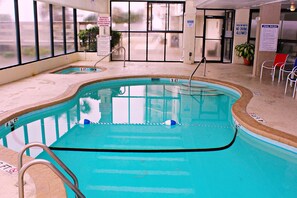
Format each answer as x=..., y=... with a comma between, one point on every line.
x=241, y=17
x=99, y=6
x=31, y=69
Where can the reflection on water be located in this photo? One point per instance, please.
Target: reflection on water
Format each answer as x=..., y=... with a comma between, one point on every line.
x=126, y=104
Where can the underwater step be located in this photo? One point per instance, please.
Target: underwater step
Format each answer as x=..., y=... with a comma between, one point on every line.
x=141, y=191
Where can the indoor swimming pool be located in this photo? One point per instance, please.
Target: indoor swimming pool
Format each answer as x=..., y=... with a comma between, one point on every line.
x=77, y=70
x=156, y=137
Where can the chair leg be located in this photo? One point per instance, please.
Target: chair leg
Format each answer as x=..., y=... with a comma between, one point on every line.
x=273, y=73
x=294, y=90
x=280, y=75
x=286, y=86
x=261, y=73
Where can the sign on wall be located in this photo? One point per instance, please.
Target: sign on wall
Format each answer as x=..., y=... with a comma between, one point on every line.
x=103, y=45
x=268, y=37
x=190, y=23
x=241, y=29
x=103, y=21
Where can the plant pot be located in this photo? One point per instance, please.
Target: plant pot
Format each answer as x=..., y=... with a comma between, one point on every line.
x=247, y=62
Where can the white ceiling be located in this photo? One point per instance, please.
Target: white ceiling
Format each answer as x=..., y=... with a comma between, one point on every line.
x=236, y=4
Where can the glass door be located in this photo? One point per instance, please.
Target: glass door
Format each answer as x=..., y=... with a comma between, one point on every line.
x=213, y=40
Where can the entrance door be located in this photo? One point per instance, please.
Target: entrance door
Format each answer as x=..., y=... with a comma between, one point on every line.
x=213, y=40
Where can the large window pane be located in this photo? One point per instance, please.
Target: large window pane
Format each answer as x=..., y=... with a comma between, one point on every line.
x=119, y=55
x=199, y=22
x=138, y=16
x=69, y=29
x=158, y=16
x=176, y=17
x=86, y=20
x=58, y=30
x=120, y=17
x=44, y=30
x=156, y=46
x=254, y=24
x=174, y=46
x=27, y=31
x=289, y=26
x=198, y=49
x=138, y=46
x=8, y=54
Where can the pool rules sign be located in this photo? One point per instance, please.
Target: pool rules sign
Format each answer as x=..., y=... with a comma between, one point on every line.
x=268, y=37
x=103, y=40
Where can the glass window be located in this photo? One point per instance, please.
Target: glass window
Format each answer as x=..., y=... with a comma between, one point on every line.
x=69, y=29
x=138, y=16
x=120, y=17
x=158, y=16
x=199, y=22
x=138, y=46
x=174, y=46
x=288, y=26
x=85, y=20
x=156, y=46
x=198, y=49
x=8, y=51
x=58, y=30
x=176, y=17
x=215, y=12
x=44, y=30
x=254, y=24
x=27, y=30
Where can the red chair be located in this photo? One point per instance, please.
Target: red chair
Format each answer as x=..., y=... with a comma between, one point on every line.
x=272, y=65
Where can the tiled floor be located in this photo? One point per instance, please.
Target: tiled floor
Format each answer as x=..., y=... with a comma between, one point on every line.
x=269, y=106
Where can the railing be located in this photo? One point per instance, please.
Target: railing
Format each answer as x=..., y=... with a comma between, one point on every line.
x=22, y=169
x=117, y=49
x=204, y=72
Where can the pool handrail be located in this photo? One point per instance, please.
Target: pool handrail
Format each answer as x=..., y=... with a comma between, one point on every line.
x=22, y=169
x=204, y=72
x=117, y=49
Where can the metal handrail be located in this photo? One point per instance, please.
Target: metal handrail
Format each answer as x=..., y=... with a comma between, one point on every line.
x=46, y=149
x=117, y=49
x=204, y=72
x=53, y=168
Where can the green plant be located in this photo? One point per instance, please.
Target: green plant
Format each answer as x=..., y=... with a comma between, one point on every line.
x=115, y=38
x=88, y=38
x=245, y=50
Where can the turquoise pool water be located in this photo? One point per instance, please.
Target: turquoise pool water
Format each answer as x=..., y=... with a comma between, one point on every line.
x=78, y=70
x=128, y=151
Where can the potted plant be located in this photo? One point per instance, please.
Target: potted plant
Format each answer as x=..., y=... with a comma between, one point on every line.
x=246, y=51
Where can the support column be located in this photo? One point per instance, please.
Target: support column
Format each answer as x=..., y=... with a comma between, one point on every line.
x=269, y=14
x=189, y=32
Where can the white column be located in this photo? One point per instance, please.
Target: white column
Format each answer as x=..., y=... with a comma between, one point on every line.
x=189, y=32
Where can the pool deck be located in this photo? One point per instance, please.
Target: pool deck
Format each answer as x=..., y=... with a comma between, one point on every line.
x=264, y=109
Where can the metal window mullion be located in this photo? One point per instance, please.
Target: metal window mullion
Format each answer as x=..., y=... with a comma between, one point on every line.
x=26, y=138
x=17, y=30
x=75, y=30
x=57, y=127
x=147, y=29
x=36, y=30
x=51, y=29
x=64, y=30
x=68, y=120
x=129, y=29
x=43, y=136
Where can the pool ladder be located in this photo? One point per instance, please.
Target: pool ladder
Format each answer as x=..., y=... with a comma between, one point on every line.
x=117, y=49
x=204, y=72
x=22, y=169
